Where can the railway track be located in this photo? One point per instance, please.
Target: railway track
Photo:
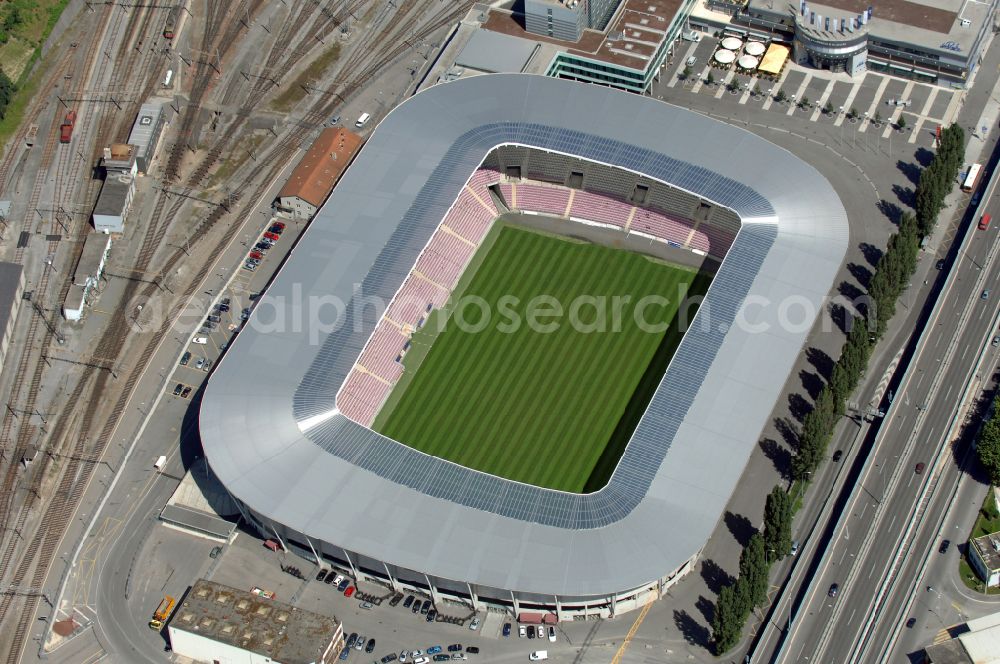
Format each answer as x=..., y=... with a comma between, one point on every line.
x=87, y=449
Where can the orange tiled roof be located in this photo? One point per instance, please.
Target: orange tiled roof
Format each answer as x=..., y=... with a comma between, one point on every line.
x=321, y=167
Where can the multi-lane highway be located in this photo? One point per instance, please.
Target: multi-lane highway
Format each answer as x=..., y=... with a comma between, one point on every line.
x=894, y=513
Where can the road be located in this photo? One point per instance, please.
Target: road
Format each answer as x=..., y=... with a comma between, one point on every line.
x=872, y=546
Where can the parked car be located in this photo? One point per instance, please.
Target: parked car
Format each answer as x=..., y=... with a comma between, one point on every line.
x=455, y=647
x=474, y=625
x=199, y=363
x=276, y=229
x=185, y=393
x=199, y=340
x=250, y=267
x=178, y=388
x=404, y=656
x=421, y=660
x=441, y=658
x=541, y=632
x=352, y=639
x=552, y=634
x=273, y=237
x=360, y=643
x=472, y=650
x=522, y=631
x=433, y=650
x=329, y=578
x=910, y=623
x=209, y=325
x=367, y=606
x=416, y=607
x=408, y=602
x=531, y=632
x=834, y=589
x=506, y=630
x=214, y=553
x=349, y=591
x=223, y=308
x=262, y=246
x=425, y=607
x=459, y=656
x=214, y=318
x=342, y=586
x=795, y=547
x=345, y=652
x=371, y=645
x=321, y=575
x=391, y=657
x=539, y=655
x=431, y=615
x=395, y=600
x=944, y=546
x=185, y=358
x=207, y=365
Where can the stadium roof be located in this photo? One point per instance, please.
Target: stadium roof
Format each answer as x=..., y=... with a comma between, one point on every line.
x=274, y=438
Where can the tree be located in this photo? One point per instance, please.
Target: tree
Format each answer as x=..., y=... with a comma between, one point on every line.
x=853, y=113
x=686, y=74
x=828, y=109
x=778, y=523
x=756, y=90
x=877, y=119
x=780, y=96
x=754, y=569
x=805, y=103
x=733, y=85
x=710, y=80
x=731, y=611
x=988, y=448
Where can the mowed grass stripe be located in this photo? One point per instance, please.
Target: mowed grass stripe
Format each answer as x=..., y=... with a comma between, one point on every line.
x=535, y=407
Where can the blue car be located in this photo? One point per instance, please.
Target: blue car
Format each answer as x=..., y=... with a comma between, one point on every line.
x=343, y=585
x=345, y=652
x=506, y=630
x=433, y=650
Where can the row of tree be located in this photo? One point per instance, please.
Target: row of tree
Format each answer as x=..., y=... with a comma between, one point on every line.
x=749, y=589
x=891, y=278
x=7, y=90
x=892, y=274
x=988, y=448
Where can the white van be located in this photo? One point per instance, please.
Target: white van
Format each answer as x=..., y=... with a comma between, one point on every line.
x=363, y=120
x=692, y=36
x=159, y=462
x=539, y=655
x=200, y=340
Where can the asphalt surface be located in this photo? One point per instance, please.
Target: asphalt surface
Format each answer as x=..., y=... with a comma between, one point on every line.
x=873, y=544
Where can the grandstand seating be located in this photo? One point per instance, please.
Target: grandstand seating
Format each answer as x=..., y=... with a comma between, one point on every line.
x=537, y=198
x=667, y=215
x=362, y=396
x=379, y=355
x=410, y=303
x=602, y=209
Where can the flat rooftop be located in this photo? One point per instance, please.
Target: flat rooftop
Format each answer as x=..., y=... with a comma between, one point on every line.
x=90, y=259
x=987, y=552
x=244, y=620
x=113, y=195
x=632, y=38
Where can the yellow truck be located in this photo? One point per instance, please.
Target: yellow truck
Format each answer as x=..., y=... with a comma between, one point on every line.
x=162, y=613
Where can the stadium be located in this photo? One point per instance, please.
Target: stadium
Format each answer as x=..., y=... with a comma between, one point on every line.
x=348, y=426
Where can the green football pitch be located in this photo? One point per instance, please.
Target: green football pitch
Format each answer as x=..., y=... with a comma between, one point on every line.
x=551, y=403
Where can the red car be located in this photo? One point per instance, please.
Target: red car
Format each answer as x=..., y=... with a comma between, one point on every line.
x=257, y=255
x=349, y=591
x=272, y=237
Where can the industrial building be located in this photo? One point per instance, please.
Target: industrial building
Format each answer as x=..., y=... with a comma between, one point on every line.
x=216, y=623
x=331, y=489
x=939, y=42
x=114, y=203
x=11, y=293
x=318, y=171
x=87, y=276
x=984, y=556
x=146, y=132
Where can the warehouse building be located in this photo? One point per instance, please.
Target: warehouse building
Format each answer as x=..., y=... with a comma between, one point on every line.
x=216, y=623
x=145, y=133
x=11, y=292
x=114, y=203
x=314, y=177
x=87, y=275
x=976, y=642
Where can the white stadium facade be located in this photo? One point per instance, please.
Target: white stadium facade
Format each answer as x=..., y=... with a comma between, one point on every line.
x=281, y=433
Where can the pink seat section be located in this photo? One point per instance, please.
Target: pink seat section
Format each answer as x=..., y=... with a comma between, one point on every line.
x=469, y=218
x=482, y=179
x=660, y=226
x=361, y=397
x=384, y=346
x=595, y=207
x=719, y=240
x=548, y=200
x=414, y=301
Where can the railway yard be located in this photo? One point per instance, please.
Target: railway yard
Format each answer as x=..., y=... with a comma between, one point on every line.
x=67, y=385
